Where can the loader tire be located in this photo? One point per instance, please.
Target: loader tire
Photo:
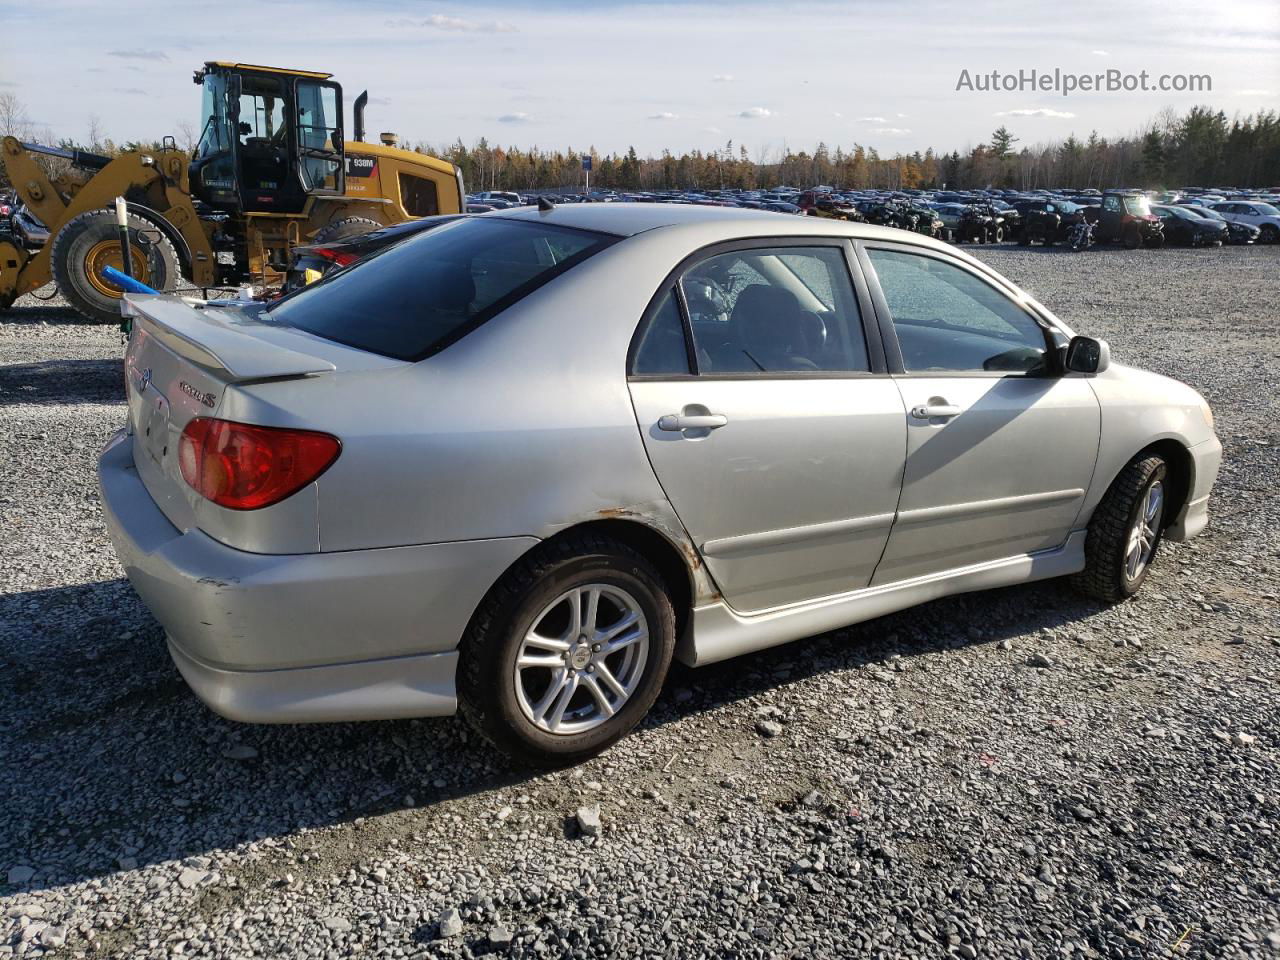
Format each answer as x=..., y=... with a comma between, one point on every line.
x=92, y=240
x=347, y=227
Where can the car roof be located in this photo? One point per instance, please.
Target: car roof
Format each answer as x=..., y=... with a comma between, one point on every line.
x=630, y=219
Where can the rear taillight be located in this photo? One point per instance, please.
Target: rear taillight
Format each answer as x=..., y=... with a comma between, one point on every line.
x=245, y=467
x=340, y=257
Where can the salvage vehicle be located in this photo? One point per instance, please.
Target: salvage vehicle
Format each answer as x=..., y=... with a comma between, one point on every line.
x=310, y=263
x=272, y=169
x=1238, y=232
x=27, y=229
x=1047, y=221
x=486, y=467
x=1183, y=226
x=1257, y=214
x=1125, y=217
x=975, y=226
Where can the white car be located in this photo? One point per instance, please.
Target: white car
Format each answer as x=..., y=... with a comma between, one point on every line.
x=1253, y=212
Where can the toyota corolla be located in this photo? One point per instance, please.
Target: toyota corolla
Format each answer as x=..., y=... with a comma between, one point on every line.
x=517, y=463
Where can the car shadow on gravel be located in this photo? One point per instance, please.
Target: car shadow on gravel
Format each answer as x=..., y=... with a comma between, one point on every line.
x=63, y=381
x=110, y=762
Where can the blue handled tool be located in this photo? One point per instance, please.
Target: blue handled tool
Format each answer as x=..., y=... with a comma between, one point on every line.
x=125, y=282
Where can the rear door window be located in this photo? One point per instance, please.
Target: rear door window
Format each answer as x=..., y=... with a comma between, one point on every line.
x=414, y=298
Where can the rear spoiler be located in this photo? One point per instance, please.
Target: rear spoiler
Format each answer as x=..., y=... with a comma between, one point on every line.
x=218, y=339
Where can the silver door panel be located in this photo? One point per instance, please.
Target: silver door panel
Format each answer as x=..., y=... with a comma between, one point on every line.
x=792, y=497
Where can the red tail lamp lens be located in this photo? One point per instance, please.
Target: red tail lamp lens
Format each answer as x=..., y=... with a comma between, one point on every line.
x=340, y=257
x=243, y=467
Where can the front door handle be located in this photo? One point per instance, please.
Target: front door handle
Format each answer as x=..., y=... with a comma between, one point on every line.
x=675, y=422
x=935, y=410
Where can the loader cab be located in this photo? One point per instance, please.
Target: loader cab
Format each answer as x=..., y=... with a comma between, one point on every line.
x=270, y=139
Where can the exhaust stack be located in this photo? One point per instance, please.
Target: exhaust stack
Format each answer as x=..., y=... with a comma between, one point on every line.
x=358, y=111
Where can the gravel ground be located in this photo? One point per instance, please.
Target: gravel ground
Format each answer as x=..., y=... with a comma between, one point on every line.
x=911, y=787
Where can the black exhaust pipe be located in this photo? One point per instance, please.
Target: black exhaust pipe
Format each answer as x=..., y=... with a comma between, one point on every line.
x=358, y=110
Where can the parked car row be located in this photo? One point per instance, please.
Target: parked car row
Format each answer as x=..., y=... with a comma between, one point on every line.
x=1136, y=218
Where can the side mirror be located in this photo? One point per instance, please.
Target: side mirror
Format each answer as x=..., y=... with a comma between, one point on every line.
x=1087, y=355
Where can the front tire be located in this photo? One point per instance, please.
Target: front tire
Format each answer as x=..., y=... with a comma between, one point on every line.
x=92, y=240
x=1125, y=532
x=567, y=652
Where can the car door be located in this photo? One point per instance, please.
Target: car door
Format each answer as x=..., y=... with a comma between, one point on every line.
x=761, y=393
x=1000, y=447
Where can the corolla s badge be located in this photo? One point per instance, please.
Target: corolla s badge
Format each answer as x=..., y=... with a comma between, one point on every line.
x=208, y=399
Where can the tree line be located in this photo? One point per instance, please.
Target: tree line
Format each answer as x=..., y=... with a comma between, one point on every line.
x=1202, y=147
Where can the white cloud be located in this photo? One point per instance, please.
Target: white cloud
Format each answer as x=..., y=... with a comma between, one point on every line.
x=1038, y=112
x=664, y=115
x=755, y=113
x=157, y=55
x=723, y=78
x=901, y=116
x=1100, y=53
x=1254, y=93
x=438, y=21
x=711, y=130
x=514, y=118
x=891, y=131
x=871, y=120
x=837, y=114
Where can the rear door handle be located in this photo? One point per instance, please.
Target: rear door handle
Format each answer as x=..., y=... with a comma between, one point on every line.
x=675, y=422
x=935, y=411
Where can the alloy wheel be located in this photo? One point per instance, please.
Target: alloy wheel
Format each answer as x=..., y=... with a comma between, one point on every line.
x=582, y=659
x=1145, y=532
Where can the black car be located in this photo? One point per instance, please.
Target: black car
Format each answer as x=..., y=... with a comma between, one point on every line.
x=1238, y=232
x=312, y=262
x=1183, y=226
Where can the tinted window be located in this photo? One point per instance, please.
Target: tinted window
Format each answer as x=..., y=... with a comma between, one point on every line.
x=418, y=194
x=947, y=319
x=785, y=309
x=662, y=348
x=411, y=299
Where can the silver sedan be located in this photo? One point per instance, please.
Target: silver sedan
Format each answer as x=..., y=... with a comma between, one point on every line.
x=517, y=463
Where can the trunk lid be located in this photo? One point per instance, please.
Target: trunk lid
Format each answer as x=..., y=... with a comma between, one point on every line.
x=184, y=356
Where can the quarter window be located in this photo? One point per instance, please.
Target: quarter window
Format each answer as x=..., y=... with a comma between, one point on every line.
x=662, y=348
x=774, y=310
x=947, y=319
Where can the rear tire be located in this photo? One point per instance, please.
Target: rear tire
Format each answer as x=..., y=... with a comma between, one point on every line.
x=91, y=239
x=347, y=227
x=1129, y=517
x=1270, y=233
x=1132, y=239
x=501, y=702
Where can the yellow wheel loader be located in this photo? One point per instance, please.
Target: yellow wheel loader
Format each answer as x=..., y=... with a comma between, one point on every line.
x=272, y=169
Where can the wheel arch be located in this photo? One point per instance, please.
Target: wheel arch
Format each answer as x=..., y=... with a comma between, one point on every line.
x=172, y=233
x=656, y=547
x=1180, y=476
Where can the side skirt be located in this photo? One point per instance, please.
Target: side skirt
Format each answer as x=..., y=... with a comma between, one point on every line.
x=720, y=633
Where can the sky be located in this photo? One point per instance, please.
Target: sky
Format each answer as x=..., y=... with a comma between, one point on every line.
x=881, y=73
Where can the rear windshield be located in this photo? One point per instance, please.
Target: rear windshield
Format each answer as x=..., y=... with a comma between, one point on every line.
x=414, y=298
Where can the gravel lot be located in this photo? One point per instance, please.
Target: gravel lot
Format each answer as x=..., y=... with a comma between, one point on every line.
x=927, y=792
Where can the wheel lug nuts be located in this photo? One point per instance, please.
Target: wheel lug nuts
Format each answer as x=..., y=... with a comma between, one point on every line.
x=591, y=669
x=595, y=647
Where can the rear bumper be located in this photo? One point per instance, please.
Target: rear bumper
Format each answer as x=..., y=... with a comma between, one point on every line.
x=1206, y=458
x=353, y=635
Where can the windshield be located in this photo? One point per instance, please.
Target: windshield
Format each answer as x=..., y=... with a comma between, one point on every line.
x=1137, y=206
x=414, y=298
x=1266, y=209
